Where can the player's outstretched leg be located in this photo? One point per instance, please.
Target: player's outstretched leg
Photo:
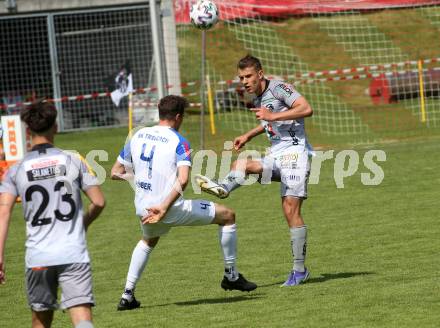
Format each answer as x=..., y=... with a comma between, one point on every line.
x=232, y=280
x=211, y=187
x=233, y=180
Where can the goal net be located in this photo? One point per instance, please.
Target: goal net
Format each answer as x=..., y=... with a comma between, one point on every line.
x=370, y=73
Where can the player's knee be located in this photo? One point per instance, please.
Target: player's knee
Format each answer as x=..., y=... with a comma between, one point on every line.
x=150, y=242
x=223, y=215
x=229, y=216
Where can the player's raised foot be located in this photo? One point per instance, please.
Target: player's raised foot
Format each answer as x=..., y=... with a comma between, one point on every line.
x=128, y=301
x=295, y=278
x=240, y=284
x=211, y=187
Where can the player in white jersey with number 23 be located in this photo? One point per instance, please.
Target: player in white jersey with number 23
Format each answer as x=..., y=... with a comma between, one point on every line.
x=49, y=182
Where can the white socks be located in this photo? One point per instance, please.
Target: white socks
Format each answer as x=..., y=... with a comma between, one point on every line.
x=228, y=242
x=298, y=238
x=233, y=180
x=139, y=260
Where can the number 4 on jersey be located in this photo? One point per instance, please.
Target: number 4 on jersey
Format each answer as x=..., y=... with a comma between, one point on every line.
x=148, y=159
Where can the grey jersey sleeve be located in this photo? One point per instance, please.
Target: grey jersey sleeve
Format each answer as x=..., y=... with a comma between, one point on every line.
x=286, y=93
x=8, y=184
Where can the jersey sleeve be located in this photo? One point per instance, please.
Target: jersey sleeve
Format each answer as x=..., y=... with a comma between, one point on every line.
x=87, y=176
x=125, y=155
x=8, y=183
x=183, y=152
x=286, y=93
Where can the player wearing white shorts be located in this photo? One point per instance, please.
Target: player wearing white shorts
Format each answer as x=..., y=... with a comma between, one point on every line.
x=281, y=111
x=49, y=182
x=158, y=159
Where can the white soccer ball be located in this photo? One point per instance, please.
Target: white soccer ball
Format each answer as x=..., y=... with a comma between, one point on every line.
x=204, y=14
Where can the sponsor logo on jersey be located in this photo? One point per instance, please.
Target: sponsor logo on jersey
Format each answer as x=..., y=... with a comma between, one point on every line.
x=293, y=177
x=44, y=163
x=288, y=161
x=144, y=185
x=295, y=140
x=46, y=172
x=289, y=157
x=152, y=137
x=287, y=89
x=291, y=180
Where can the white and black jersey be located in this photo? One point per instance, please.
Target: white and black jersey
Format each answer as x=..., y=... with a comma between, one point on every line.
x=279, y=96
x=49, y=182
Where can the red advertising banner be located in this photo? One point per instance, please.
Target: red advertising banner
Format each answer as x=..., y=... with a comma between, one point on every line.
x=231, y=9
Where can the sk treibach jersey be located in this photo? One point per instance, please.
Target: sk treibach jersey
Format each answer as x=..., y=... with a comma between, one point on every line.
x=154, y=154
x=49, y=182
x=279, y=97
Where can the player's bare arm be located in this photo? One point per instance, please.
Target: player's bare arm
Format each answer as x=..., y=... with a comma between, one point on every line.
x=97, y=204
x=240, y=141
x=7, y=202
x=121, y=172
x=299, y=109
x=156, y=213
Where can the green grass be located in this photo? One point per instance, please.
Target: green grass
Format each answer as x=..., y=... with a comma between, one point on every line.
x=373, y=253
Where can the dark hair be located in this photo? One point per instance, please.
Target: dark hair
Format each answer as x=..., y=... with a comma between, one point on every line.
x=249, y=61
x=39, y=116
x=170, y=106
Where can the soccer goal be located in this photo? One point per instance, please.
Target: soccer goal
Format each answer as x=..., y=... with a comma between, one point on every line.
x=371, y=72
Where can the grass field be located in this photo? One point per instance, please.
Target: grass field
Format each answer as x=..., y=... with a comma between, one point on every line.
x=372, y=250
x=373, y=253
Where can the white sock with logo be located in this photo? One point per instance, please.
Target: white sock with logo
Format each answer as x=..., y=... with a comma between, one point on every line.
x=298, y=239
x=228, y=242
x=139, y=260
x=233, y=180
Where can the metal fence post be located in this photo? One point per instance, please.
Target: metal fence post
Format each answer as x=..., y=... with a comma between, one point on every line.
x=55, y=70
x=157, y=48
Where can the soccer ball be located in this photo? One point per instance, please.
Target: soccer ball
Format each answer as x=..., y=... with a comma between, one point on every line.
x=204, y=14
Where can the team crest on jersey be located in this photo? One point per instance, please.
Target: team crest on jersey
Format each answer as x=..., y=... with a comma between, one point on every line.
x=270, y=132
